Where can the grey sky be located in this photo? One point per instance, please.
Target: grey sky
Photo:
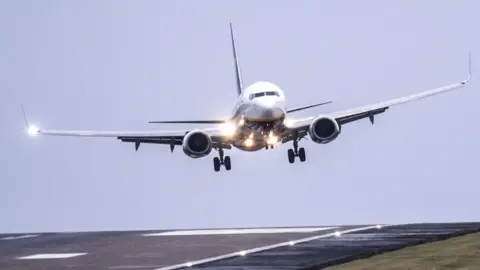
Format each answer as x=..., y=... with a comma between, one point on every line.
x=119, y=64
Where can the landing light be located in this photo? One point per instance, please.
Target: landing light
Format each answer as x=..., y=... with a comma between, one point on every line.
x=228, y=129
x=32, y=130
x=337, y=233
x=288, y=122
x=272, y=140
x=248, y=142
x=241, y=122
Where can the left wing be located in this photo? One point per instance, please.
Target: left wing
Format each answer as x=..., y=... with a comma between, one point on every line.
x=350, y=115
x=169, y=137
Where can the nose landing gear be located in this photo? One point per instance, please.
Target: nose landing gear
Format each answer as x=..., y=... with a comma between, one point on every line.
x=296, y=152
x=219, y=161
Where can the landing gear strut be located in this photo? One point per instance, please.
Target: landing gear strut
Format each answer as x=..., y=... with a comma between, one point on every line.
x=296, y=152
x=219, y=161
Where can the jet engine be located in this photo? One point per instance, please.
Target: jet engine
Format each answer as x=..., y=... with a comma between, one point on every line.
x=324, y=129
x=197, y=144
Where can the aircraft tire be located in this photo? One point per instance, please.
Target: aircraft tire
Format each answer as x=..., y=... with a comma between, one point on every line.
x=291, y=156
x=301, y=154
x=228, y=163
x=216, y=164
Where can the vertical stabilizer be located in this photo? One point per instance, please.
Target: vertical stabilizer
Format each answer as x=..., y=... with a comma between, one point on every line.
x=238, y=74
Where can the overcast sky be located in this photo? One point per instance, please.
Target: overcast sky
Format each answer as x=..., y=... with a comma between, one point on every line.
x=119, y=64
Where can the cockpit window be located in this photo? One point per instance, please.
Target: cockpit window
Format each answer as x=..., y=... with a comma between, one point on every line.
x=261, y=94
x=272, y=93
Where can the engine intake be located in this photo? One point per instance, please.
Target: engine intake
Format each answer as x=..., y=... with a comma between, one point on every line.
x=197, y=144
x=324, y=129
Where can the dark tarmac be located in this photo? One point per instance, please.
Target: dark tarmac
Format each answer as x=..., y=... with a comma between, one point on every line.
x=216, y=249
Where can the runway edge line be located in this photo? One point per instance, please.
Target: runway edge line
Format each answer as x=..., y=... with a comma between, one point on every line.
x=263, y=248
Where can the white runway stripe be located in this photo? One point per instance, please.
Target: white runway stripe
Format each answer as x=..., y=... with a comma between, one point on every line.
x=18, y=237
x=51, y=256
x=241, y=231
x=249, y=251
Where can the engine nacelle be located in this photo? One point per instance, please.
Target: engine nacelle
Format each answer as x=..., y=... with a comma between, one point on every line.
x=324, y=129
x=197, y=144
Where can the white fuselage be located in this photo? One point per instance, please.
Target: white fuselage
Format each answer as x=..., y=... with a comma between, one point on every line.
x=259, y=111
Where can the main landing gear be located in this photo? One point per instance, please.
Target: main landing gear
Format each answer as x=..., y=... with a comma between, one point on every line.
x=219, y=161
x=296, y=152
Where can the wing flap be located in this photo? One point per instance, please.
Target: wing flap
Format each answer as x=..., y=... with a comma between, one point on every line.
x=362, y=115
x=217, y=141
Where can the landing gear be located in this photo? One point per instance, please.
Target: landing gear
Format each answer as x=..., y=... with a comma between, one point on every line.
x=291, y=156
x=301, y=154
x=219, y=161
x=296, y=152
x=216, y=164
x=227, y=163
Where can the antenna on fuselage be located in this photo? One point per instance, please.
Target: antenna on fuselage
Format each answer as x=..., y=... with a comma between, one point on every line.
x=238, y=74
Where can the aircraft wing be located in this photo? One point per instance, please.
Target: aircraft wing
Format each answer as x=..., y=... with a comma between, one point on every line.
x=368, y=111
x=171, y=137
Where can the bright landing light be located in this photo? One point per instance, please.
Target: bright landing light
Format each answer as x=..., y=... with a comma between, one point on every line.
x=249, y=142
x=241, y=122
x=272, y=140
x=288, y=122
x=228, y=129
x=32, y=130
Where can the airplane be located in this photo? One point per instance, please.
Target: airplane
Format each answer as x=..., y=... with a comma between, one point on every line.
x=259, y=120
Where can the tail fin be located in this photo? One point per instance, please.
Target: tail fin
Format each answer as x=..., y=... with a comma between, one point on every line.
x=238, y=74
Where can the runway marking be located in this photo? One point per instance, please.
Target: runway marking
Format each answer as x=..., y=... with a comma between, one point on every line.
x=241, y=231
x=18, y=237
x=51, y=256
x=253, y=250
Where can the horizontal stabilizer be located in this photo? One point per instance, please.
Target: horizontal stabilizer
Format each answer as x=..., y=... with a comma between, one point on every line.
x=190, y=122
x=307, y=107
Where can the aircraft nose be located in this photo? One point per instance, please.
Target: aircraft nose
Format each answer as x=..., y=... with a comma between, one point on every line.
x=267, y=103
x=268, y=107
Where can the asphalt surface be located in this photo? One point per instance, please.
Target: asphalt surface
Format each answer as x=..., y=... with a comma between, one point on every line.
x=269, y=248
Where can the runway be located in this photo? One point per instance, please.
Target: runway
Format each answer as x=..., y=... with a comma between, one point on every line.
x=217, y=249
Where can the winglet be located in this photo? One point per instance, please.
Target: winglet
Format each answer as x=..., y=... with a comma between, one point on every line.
x=31, y=129
x=469, y=69
x=25, y=116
